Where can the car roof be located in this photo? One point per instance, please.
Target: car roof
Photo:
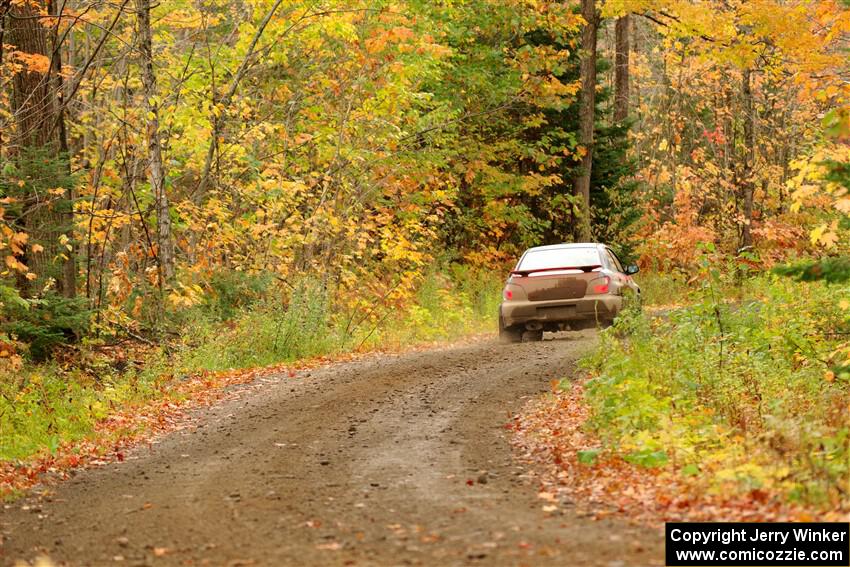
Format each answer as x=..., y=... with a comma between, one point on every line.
x=568, y=245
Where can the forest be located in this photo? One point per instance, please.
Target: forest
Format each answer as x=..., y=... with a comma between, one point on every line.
x=190, y=191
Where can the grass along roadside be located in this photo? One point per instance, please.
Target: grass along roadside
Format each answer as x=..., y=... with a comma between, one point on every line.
x=55, y=417
x=738, y=408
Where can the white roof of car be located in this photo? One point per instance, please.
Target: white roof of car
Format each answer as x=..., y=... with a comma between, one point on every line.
x=567, y=245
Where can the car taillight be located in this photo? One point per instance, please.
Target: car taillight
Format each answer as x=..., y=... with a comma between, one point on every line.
x=508, y=294
x=601, y=285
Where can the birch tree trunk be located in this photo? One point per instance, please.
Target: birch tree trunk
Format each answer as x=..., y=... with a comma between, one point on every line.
x=747, y=180
x=156, y=171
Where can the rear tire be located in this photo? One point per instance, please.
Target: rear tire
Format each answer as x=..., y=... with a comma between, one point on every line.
x=508, y=335
x=532, y=336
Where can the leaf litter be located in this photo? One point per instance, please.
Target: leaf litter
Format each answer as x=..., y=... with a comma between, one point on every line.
x=551, y=436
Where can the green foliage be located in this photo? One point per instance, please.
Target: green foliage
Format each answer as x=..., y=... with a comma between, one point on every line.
x=830, y=270
x=738, y=394
x=615, y=210
x=480, y=287
x=647, y=458
x=33, y=200
x=34, y=206
x=448, y=307
x=588, y=457
x=224, y=295
x=42, y=406
x=232, y=292
x=662, y=289
x=272, y=331
x=11, y=298
x=46, y=323
x=518, y=165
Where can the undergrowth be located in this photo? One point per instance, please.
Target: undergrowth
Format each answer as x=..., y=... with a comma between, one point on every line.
x=662, y=290
x=45, y=405
x=750, y=395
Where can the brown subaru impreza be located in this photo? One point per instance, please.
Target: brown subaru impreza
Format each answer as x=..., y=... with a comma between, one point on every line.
x=564, y=287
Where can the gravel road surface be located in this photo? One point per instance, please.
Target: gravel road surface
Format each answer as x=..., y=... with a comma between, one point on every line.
x=388, y=460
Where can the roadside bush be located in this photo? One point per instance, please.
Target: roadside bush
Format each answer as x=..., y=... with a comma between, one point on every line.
x=662, y=290
x=272, y=331
x=46, y=323
x=308, y=323
x=447, y=306
x=482, y=289
x=42, y=406
x=232, y=292
x=744, y=395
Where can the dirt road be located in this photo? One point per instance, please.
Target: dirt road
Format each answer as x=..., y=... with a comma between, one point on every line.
x=391, y=460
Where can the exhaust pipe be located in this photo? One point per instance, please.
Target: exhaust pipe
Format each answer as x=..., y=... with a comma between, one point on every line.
x=533, y=326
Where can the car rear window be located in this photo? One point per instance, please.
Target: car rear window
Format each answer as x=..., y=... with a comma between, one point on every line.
x=559, y=258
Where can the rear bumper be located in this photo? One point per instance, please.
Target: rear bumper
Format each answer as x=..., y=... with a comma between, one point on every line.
x=596, y=308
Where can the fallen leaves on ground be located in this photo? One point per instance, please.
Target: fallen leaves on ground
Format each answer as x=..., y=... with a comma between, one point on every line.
x=550, y=435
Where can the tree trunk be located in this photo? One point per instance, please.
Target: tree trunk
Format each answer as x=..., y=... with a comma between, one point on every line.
x=41, y=150
x=156, y=171
x=5, y=8
x=636, y=46
x=621, y=68
x=747, y=181
x=587, y=106
x=69, y=270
